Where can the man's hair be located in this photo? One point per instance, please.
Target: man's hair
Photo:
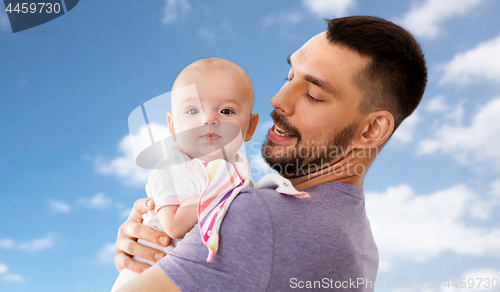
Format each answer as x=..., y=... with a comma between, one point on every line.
x=396, y=77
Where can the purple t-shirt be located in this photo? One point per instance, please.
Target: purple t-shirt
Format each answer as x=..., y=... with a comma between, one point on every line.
x=274, y=242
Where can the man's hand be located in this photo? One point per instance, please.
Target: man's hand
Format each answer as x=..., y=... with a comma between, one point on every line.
x=126, y=243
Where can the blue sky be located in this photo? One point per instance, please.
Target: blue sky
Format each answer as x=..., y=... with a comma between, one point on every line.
x=67, y=87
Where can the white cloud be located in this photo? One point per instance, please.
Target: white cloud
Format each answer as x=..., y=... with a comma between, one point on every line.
x=32, y=245
x=6, y=243
x=404, y=133
x=471, y=144
x=99, y=201
x=481, y=62
x=283, y=18
x=106, y=254
x=36, y=244
x=437, y=105
x=174, y=10
x=420, y=227
x=328, y=8
x=458, y=114
x=442, y=110
x=59, y=207
x=124, y=166
x=13, y=278
x=495, y=188
x=206, y=34
x=425, y=17
x=9, y=277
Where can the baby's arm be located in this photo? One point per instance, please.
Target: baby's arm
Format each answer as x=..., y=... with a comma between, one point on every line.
x=178, y=220
x=169, y=185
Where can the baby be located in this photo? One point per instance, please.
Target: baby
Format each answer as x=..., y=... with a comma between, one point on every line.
x=211, y=117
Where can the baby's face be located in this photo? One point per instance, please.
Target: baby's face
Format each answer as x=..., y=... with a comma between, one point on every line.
x=218, y=116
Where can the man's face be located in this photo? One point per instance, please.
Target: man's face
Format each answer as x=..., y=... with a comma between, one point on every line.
x=316, y=111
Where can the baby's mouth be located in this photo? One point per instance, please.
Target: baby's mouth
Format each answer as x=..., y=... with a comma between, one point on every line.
x=210, y=137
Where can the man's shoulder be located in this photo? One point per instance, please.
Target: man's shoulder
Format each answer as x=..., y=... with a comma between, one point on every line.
x=269, y=203
x=263, y=204
x=253, y=193
x=327, y=188
x=252, y=198
x=251, y=203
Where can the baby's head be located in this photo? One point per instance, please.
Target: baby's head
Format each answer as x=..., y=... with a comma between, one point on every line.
x=219, y=115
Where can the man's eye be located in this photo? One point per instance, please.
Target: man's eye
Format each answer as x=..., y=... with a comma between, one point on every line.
x=288, y=79
x=226, y=111
x=312, y=98
x=192, y=111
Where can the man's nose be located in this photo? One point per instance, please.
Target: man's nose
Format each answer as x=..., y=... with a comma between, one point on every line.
x=284, y=101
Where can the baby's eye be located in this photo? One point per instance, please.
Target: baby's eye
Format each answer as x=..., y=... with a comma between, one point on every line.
x=226, y=111
x=192, y=111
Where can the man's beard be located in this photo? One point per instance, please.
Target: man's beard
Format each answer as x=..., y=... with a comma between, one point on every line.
x=306, y=157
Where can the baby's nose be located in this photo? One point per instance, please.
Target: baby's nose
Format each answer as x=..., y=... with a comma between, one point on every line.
x=210, y=119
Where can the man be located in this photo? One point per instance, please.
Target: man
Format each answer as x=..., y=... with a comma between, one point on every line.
x=348, y=89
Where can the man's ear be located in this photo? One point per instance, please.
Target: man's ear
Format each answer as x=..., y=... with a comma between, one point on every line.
x=170, y=122
x=377, y=128
x=252, y=125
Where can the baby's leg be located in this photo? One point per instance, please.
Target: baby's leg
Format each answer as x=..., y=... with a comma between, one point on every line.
x=125, y=276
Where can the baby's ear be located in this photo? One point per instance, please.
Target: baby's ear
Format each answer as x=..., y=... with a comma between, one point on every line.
x=170, y=122
x=252, y=125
